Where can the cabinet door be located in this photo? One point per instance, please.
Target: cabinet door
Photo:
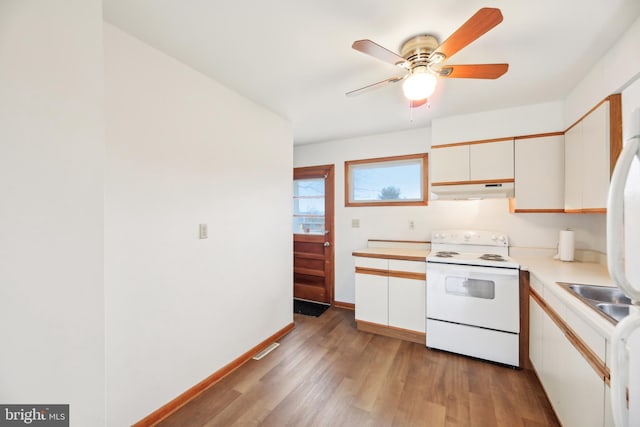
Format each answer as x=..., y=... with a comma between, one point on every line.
x=536, y=317
x=449, y=164
x=539, y=173
x=595, y=145
x=491, y=160
x=372, y=298
x=406, y=303
x=575, y=390
x=573, y=168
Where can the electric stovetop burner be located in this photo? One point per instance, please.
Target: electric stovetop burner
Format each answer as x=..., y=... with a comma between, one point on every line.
x=446, y=254
x=492, y=257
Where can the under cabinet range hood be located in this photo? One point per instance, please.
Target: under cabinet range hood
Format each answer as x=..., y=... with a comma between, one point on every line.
x=500, y=190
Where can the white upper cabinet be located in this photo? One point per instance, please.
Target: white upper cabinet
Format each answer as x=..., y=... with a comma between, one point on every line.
x=595, y=148
x=573, y=168
x=590, y=145
x=539, y=174
x=486, y=161
x=489, y=161
x=450, y=164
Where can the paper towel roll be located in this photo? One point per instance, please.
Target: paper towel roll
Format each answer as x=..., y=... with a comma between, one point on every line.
x=566, y=245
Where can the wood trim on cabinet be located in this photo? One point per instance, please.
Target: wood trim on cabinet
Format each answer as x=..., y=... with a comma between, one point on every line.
x=372, y=271
x=513, y=209
x=506, y=138
x=586, y=114
x=586, y=211
x=525, y=362
x=589, y=355
x=615, y=129
x=398, y=241
x=480, y=141
x=388, y=256
x=170, y=407
x=344, y=305
x=393, y=332
x=407, y=275
x=391, y=273
x=539, y=135
x=481, y=181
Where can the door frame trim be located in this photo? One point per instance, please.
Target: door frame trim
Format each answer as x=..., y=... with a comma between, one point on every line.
x=329, y=194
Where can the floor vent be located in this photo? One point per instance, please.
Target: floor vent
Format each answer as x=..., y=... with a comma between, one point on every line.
x=266, y=351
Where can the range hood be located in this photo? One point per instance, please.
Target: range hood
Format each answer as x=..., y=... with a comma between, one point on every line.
x=473, y=191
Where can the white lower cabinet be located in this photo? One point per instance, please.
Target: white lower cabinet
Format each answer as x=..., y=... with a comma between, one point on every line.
x=391, y=292
x=536, y=317
x=406, y=303
x=574, y=388
x=372, y=298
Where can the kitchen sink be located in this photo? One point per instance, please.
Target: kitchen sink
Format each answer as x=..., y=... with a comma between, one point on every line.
x=617, y=311
x=602, y=294
x=608, y=301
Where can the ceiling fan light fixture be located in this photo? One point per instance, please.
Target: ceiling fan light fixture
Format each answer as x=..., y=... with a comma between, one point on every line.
x=419, y=85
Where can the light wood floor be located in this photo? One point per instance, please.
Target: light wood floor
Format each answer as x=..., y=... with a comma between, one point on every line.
x=326, y=373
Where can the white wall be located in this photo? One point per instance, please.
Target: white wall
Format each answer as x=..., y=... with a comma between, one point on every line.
x=524, y=120
x=183, y=150
x=526, y=230
x=612, y=73
x=51, y=206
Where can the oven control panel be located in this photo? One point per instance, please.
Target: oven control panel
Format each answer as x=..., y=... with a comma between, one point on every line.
x=470, y=237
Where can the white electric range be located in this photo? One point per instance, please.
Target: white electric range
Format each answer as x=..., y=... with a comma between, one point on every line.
x=473, y=295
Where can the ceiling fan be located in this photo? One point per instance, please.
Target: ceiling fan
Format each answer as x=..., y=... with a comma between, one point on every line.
x=423, y=59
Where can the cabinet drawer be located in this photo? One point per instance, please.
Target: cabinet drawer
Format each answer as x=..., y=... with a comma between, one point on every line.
x=366, y=262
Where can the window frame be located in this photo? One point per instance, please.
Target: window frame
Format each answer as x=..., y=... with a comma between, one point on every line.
x=424, y=157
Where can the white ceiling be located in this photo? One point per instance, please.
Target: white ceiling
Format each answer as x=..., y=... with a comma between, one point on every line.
x=295, y=57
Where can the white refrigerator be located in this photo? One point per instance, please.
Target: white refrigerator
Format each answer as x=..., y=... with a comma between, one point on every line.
x=623, y=250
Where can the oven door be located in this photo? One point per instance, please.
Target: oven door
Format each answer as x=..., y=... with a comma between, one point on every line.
x=487, y=297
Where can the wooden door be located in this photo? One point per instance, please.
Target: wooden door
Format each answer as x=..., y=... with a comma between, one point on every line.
x=313, y=233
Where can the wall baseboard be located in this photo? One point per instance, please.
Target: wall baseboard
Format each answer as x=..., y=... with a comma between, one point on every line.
x=169, y=408
x=345, y=305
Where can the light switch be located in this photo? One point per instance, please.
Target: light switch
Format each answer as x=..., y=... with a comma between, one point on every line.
x=204, y=232
x=355, y=223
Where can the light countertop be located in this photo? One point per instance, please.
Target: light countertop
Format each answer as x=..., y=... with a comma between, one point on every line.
x=550, y=271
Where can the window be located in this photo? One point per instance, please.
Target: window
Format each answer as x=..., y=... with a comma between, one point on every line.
x=308, y=206
x=387, y=181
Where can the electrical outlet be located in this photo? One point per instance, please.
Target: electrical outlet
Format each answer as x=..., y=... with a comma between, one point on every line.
x=412, y=225
x=355, y=223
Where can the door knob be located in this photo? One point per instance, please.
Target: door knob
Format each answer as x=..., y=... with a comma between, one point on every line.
x=327, y=244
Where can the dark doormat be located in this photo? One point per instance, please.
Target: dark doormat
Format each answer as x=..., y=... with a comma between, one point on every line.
x=309, y=308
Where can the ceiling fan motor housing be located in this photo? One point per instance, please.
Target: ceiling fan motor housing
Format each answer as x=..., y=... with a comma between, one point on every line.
x=417, y=51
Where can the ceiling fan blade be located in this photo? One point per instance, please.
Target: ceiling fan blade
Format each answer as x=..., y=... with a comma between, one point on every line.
x=374, y=86
x=377, y=51
x=484, y=20
x=477, y=71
